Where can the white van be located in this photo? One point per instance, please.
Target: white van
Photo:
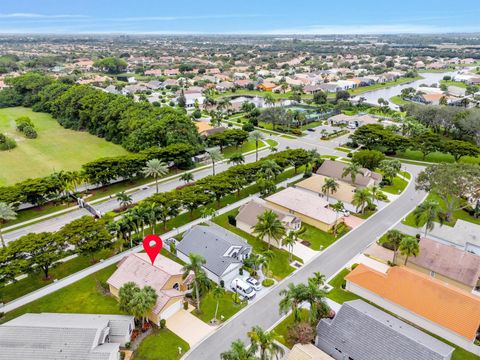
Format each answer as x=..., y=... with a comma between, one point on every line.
x=242, y=288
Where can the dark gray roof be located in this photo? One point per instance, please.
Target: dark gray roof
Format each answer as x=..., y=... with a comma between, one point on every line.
x=213, y=243
x=364, y=332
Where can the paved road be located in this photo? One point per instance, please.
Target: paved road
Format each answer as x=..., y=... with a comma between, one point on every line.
x=265, y=313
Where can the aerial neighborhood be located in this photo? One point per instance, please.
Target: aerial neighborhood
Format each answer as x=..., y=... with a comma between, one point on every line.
x=210, y=195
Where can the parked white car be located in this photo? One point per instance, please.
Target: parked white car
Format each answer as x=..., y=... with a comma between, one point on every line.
x=254, y=283
x=243, y=289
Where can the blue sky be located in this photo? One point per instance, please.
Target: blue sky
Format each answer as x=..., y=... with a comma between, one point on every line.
x=241, y=16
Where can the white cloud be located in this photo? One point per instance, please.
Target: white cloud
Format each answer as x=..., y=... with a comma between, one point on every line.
x=40, y=16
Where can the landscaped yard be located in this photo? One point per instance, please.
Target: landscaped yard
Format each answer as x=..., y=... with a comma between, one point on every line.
x=338, y=294
x=279, y=265
x=245, y=147
x=85, y=296
x=397, y=100
x=55, y=148
x=226, y=307
x=161, y=345
x=317, y=238
x=397, y=186
x=282, y=328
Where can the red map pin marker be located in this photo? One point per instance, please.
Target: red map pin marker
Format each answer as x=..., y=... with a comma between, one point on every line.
x=152, y=250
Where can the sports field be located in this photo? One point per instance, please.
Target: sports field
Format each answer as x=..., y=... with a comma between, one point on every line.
x=54, y=149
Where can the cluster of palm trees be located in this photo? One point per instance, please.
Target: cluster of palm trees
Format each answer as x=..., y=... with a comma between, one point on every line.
x=137, y=301
x=406, y=245
x=263, y=346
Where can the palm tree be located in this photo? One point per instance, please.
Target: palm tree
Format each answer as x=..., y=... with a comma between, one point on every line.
x=377, y=194
x=236, y=158
x=129, y=223
x=195, y=265
x=293, y=296
x=187, y=177
x=338, y=207
x=269, y=227
x=6, y=213
x=142, y=302
x=224, y=103
x=125, y=295
x=352, y=169
x=266, y=343
x=124, y=199
x=318, y=279
x=316, y=298
x=362, y=198
x=267, y=256
x=215, y=155
x=329, y=187
x=156, y=169
x=152, y=215
x=289, y=241
x=393, y=238
x=270, y=169
x=218, y=292
x=429, y=211
x=257, y=136
x=409, y=247
x=238, y=351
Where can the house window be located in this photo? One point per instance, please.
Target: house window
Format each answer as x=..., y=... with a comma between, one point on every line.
x=176, y=286
x=432, y=273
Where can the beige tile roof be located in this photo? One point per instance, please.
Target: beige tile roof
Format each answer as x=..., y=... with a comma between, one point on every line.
x=315, y=182
x=307, y=352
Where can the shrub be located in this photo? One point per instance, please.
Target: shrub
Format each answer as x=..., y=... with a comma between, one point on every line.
x=344, y=284
x=248, y=127
x=30, y=132
x=267, y=282
x=122, y=355
x=128, y=345
x=6, y=143
x=302, y=333
x=23, y=121
x=231, y=220
x=222, y=283
x=163, y=322
x=185, y=305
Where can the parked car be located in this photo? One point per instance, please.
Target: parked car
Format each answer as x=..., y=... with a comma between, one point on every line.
x=346, y=213
x=311, y=130
x=255, y=284
x=243, y=289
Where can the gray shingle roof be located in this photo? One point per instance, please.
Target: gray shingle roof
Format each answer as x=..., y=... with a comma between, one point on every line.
x=213, y=242
x=364, y=332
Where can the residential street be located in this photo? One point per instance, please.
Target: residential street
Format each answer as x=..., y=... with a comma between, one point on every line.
x=265, y=311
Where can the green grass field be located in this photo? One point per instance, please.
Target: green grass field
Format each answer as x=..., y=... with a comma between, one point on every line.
x=161, y=345
x=226, y=307
x=363, y=89
x=55, y=148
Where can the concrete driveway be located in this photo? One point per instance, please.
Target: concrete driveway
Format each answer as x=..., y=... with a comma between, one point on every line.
x=188, y=327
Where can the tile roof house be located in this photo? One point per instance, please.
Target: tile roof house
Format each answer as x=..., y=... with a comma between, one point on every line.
x=223, y=250
x=307, y=352
x=309, y=208
x=334, y=169
x=50, y=336
x=164, y=276
x=315, y=183
x=248, y=214
x=429, y=303
x=361, y=331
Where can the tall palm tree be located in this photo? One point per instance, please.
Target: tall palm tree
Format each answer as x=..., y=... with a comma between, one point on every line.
x=128, y=222
x=318, y=279
x=142, y=302
x=362, y=198
x=215, y=155
x=330, y=186
x=187, y=177
x=269, y=227
x=236, y=158
x=257, y=136
x=266, y=343
x=238, y=351
x=394, y=238
x=338, y=207
x=124, y=199
x=377, y=194
x=270, y=169
x=316, y=298
x=195, y=263
x=352, y=169
x=140, y=215
x=224, y=104
x=409, y=247
x=218, y=292
x=428, y=212
x=289, y=241
x=155, y=168
x=6, y=213
x=293, y=296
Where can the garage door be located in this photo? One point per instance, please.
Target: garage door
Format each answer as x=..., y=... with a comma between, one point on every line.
x=171, y=310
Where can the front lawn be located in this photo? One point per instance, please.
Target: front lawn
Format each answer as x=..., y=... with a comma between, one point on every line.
x=338, y=294
x=226, y=307
x=282, y=328
x=397, y=100
x=162, y=344
x=279, y=265
x=245, y=147
x=396, y=187
x=85, y=296
x=436, y=157
x=317, y=238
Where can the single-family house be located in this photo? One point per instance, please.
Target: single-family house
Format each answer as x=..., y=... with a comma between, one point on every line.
x=225, y=86
x=361, y=331
x=310, y=208
x=49, y=336
x=266, y=86
x=427, y=302
x=315, y=183
x=222, y=250
x=334, y=169
x=165, y=276
x=352, y=121
x=248, y=215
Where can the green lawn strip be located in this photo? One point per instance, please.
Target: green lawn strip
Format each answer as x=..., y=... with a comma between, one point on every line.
x=457, y=214
x=366, y=214
x=343, y=149
x=226, y=307
x=288, y=137
x=436, y=157
x=84, y=296
x=55, y=148
x=397, y=186
x=279, y=265
x=282, y=328
x=317, y=238
x=397, y=100
x=340, y=296
x=162, y=344
x=363, y=89
x=406, y=174
x=311, y=125
x=245, y=147
x=453, y=83
x=38, y=211
x=271, y=142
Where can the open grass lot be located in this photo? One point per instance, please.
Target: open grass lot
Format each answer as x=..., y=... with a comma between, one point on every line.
x=279, y=265
x=435, y=157
x=161, y=345
x=453, y=83
x=397, y=100
x=457, y=214
x=226, y=307
x=85, y=296
x=55, y=148
x=245, y=147
x=363, y=89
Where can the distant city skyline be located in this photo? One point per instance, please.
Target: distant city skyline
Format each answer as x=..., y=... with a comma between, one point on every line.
x=243, y=17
